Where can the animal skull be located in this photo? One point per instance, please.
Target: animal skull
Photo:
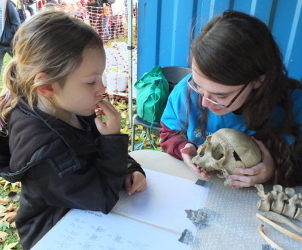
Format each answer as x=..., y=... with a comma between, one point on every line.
x=226, y=150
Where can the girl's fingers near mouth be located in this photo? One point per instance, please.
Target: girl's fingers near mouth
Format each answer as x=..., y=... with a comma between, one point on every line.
x=99, y=112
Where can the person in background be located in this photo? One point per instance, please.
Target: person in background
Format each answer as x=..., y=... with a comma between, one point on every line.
x=54, y=137
x=69, y=6
x=9, y=14
x=30, y=10
x=118, y=11
x=40, y=4
x=94, y=8
x=238, y=81
x=52, y=6
x=80, y=11
x=106, y=13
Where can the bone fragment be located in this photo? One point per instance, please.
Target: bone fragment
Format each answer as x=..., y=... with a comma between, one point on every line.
x=281, y=219
x=294, y=200
x=278, y=205
x=268, y=240
x=276, y=226
x=278, y=188
x=300, y=196
x=265, y=203
x=290, y=208
x=260, y=189
x=290, y=191
x=298, y=215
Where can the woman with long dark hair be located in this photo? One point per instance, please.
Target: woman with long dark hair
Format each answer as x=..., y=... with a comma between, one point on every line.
x=238, y=81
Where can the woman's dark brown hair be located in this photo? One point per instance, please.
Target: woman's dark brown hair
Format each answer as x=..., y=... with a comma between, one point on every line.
x=235, y=49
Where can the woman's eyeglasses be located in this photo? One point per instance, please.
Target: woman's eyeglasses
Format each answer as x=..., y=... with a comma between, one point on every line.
x=196, y=88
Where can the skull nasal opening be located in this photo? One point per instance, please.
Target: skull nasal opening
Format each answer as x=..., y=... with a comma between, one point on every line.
x=201, y=154
x=217, y=152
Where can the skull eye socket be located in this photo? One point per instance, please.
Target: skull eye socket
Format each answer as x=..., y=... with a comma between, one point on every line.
x=217, y=152
x=236, y=156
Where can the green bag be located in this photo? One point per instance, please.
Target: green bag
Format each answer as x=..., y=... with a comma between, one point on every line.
x=152, y=95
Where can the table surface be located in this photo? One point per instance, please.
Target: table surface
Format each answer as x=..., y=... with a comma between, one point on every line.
x=231, y=213
x=230, y=221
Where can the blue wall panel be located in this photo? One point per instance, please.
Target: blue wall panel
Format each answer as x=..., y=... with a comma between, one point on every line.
x=167, y=27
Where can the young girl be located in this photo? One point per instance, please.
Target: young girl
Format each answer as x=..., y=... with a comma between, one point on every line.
x=238, y=81
x=52, y=141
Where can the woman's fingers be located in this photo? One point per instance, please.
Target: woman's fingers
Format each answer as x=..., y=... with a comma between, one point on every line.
x=188, y=152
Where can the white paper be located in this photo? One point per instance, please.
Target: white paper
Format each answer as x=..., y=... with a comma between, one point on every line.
x=153, y=219
x=88, y=230
x=164, y=201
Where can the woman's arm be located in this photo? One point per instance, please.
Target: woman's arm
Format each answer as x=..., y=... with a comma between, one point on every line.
x=172, y=141
x=179, y=147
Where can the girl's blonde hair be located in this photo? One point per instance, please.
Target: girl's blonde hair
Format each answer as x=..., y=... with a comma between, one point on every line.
x=51, y=42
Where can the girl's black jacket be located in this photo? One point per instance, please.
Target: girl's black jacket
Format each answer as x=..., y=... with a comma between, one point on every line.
x=60, y=167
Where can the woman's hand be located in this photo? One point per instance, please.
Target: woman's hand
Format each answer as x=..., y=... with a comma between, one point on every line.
x=112, y=123
x=187, y=153
x=135, y=182
x=259, y=173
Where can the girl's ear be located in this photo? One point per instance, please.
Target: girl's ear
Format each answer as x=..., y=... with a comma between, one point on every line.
x=45, y=90
x=259, y=82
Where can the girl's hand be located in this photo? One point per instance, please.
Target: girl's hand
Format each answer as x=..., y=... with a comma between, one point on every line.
x=112, y=123
x=259, y=173
x=135, y=182
x=187, y=153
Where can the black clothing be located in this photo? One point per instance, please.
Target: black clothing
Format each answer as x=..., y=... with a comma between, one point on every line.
x=12, y=17
x=60, y=167
x=12, y=23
